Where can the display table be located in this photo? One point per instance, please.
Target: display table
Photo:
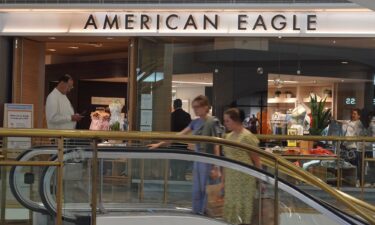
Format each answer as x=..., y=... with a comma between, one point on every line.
x=327, y=174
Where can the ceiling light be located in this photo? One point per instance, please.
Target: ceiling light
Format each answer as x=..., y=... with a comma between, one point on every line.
x=284, y=81
x=344, y=62
x=73, y=47
x=342, y=80
x=109, y=38
x=52, y=38
x=190, y=82
x=51, y=50
x=278, y=82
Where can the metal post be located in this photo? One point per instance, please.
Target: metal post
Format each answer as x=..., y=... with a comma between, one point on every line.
x=363, y=168
x=276, y=203
x=339, y=172
x=59, y=191
x=129, y=180
x=166, y=175
x=3, y=182
x=132, y=84
x=101, y=206
x=94, y=166
x=141, y=187
x=260, y=216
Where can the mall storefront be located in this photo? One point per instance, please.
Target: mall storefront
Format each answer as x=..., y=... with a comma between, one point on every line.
x=266, y=61
x=270, y=62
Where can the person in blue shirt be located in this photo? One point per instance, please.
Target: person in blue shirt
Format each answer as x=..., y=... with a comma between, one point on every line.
x=205, y=125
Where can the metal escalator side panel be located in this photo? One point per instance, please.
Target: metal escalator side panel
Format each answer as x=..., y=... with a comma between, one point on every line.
x=14, y=174
x=199, y=157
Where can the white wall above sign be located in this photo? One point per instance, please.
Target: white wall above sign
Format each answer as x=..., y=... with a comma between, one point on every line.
x=189, y=23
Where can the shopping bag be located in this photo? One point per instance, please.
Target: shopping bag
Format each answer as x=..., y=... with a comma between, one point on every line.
x=215, y=200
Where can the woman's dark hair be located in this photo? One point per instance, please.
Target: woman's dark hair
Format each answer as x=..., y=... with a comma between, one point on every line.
x=235, y=114
x=356, y=110
x=65, y=78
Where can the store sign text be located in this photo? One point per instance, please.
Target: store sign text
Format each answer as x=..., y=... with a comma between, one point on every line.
x=277, y=22
x=350, y=101
x=169, y=22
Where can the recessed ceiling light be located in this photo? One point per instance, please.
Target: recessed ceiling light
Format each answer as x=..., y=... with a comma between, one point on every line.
x=73, y=47
x=51, y=50
x=52, y=38
x=342, y=80
x=109, y=38
x=344, y=62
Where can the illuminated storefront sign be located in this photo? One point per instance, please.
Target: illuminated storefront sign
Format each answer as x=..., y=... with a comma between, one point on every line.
x=277, y=22
x=189, y=23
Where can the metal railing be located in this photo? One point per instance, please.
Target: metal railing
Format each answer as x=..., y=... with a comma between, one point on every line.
x=279, y=164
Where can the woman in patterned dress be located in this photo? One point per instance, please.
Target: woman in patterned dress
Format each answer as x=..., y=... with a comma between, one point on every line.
x=239, y=188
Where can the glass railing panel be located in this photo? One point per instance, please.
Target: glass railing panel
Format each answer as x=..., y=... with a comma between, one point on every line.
x=161, y=181
x=11, y=209
x=296, y=211
x=180, y=182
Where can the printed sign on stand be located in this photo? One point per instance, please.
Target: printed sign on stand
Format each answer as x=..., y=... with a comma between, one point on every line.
x=146, y=112
x=18, y=116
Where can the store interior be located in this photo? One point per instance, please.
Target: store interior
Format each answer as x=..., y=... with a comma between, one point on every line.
x=262, y=76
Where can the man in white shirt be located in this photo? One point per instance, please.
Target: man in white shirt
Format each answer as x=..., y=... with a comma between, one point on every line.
x=59, y=111
x=354, y=128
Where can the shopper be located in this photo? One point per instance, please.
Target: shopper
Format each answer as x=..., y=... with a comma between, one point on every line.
x=208, y=126
x=239, y=188
x=354, y=127
x=179, y=121
x=59, y=111
x=179, y=118
x=370, y=175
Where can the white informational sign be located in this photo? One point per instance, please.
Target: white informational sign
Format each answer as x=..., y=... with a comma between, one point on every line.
x=146, y=120
x=18, y=116
x=146, y=101
x=190, y=22
x=146, y=112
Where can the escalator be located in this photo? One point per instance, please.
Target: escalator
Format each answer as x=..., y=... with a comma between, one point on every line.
x=144, y=191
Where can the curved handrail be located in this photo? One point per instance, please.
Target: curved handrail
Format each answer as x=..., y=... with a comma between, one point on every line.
x=190, y=138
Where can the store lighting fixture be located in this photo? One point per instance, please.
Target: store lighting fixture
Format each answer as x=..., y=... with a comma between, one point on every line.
x=298, y=68
x=52, y=38
x=73, y=47
x=278, y=82
x=285, y=81
x=52, y=50
x=109, y=38
x=191, y=82
x=344, y=62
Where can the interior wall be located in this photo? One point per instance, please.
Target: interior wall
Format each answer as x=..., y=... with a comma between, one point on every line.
x=88, y=89
x=84, y=70
x=5, y=74
x=350, y=90
x=188, y=94
x=29, y=76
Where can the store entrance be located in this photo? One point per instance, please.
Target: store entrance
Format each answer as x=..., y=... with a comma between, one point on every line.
x=98, y=65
